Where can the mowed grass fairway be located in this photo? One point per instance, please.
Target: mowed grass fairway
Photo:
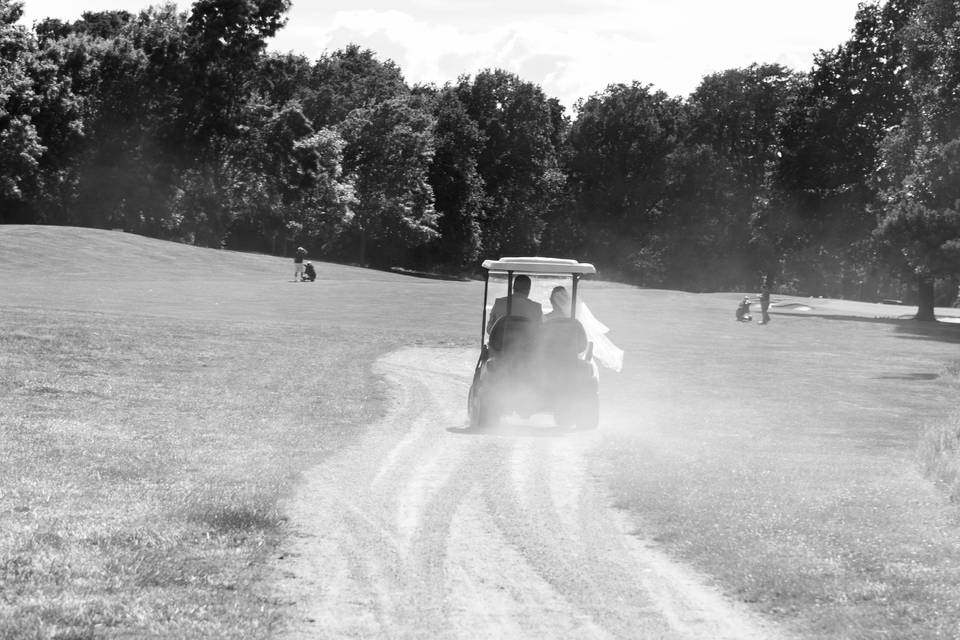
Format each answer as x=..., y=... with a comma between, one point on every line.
x=783, y=461
x=157, y=401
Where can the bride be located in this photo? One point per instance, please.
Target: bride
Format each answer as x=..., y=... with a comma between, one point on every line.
x=604, y=351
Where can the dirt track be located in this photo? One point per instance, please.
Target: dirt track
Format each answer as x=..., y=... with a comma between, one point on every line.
x=424, y=529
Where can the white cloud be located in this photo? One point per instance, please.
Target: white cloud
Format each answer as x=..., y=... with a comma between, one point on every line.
x=669, y=44
x=572, y=48
x=420, y=48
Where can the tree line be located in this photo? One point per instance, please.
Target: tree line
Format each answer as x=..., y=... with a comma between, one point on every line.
x=840, y=181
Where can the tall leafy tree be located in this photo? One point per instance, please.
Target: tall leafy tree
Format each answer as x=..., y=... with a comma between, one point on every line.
x=108, y=181
x=455, y=179
x=120, y=173
x=283, y=78
x=920, y=220
x=102, y=24
x=20, y=145
x=99, y=24
x=616, y=160
x=738, y=113
x=225, y=40
x=703, y=239
x=388, y=152
x=720, y=177
x=519, y=160
x=284, y=182
x=348, y=79
x=831, y=133
x=40, y=121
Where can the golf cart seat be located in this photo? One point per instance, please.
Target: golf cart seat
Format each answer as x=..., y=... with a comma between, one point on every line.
x=512, y=334
x=562, y=337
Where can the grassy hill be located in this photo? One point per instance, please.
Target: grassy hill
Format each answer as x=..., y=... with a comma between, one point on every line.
x=96, y=271
x=787, y=461
x=158, y=399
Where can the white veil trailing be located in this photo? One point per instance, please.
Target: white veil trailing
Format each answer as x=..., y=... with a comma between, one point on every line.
x=604, y=351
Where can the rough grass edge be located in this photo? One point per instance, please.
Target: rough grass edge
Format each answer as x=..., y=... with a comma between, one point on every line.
x=939, y=449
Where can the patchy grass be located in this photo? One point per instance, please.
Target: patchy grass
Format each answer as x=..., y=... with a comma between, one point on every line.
x=940, y=448
x=940, y=453
x=157, y=401
x=152, y=421
x=143, y=463
x=782, y=462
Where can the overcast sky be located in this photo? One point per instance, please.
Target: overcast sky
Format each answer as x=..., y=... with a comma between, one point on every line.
x=571, y=48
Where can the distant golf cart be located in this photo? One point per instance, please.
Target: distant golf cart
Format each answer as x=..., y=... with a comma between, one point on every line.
x=527, y=367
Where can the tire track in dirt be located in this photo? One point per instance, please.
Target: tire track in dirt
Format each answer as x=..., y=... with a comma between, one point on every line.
x=424, y=529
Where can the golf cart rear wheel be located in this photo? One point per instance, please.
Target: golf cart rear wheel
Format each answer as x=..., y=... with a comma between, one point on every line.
x=479, y=411
x=564, y=418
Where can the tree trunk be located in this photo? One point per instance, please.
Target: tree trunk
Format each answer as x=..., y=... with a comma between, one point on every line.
x=925, y=300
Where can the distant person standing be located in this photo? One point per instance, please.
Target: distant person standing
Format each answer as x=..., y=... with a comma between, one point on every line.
x=298, y=264
x=764, y=301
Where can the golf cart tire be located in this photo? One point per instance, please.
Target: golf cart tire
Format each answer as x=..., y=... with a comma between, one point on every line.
x=564, y=419
x=479, y=411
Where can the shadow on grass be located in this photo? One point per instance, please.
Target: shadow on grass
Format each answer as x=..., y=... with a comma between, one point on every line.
x=514, y=431
x=935, y=331
x=241, y=518
x=226, y=513
x=911, y=376
x=429, y=274
x=907, y=328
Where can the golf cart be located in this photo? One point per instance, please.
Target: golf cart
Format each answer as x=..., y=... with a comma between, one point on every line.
x=528, y=367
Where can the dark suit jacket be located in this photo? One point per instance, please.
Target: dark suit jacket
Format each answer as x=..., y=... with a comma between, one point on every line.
x=520, y=306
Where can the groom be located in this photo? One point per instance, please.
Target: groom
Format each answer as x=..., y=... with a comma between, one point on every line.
x=520, y=304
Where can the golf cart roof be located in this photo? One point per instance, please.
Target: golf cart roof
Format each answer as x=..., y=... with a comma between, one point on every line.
x=538, y=265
